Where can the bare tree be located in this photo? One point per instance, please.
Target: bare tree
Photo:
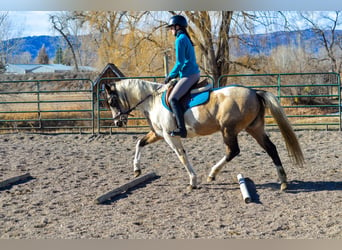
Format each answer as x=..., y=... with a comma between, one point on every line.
x=105, y=28
x=63, y=23
x=137, y=41
x=325, y=25
x=7, y=31
x=23, y=58
x=215, y=51
x=3, y=17
x=214, y=32
x=42, y=57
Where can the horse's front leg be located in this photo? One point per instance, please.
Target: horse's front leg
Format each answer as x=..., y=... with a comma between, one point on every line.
x=176, y=144
x=149, y=138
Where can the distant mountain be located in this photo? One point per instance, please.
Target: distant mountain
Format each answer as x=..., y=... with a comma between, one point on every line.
x=265, y=43
x=33, y=44
x=249, y=44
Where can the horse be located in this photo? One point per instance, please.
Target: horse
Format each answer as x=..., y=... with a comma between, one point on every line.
x=230, y=110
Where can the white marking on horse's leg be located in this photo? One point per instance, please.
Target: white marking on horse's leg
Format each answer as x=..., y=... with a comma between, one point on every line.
x=216, y=169
x=149, y=138
x=176, y=144
x=136, y=162
x=282, y=177
x=192, y=175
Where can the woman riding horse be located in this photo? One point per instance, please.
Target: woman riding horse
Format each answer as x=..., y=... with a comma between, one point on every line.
x=185, y=67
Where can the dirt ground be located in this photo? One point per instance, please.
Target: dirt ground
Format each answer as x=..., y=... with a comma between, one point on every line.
x=70, y=171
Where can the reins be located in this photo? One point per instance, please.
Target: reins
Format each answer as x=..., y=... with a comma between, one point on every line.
x=127, y=112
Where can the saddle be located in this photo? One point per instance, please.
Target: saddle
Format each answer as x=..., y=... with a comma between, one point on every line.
x=198, y=94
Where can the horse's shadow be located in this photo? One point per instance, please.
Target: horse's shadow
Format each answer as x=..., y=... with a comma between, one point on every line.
x=252, y=189
x=294, y=187
x=297, y=186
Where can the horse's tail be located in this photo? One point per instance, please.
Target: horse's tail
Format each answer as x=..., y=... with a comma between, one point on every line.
x=292, y=144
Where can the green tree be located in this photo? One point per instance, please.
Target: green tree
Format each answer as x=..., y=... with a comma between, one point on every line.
x=59, y=56
x=2, y=68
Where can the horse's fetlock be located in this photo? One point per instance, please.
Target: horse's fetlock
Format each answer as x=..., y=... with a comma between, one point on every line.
x=137, y=173
x=283, y=186
x=211, y=178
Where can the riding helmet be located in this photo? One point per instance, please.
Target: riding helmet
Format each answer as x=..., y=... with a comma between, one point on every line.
x=177, y=20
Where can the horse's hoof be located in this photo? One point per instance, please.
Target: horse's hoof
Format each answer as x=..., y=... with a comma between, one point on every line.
x=137, y=173
x=191, y=187
x=210, y=178
x=283, y=186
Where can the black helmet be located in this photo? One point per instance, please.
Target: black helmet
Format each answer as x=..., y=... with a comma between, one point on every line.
x=177, y=20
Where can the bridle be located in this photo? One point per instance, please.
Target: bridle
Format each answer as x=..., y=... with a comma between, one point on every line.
x=114, y=100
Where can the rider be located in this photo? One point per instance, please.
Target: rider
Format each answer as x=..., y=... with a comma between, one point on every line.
x=185, y=68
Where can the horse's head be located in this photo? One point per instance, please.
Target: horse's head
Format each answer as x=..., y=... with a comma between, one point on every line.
x=112, y=99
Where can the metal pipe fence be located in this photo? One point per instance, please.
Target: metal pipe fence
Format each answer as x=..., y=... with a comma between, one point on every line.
x=47, y=106
x=310, y=100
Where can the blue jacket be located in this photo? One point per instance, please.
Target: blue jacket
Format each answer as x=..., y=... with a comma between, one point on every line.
x=185, y=64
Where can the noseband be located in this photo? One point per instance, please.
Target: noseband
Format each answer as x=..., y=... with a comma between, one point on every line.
x=114, y=102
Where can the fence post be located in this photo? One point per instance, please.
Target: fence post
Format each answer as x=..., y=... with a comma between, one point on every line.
x=339, y=99
x=279, y=87
x=38, y=106
x=92, y=107
x=98, y=106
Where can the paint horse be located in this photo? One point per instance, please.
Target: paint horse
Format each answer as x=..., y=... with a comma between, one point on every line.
x=229, y=110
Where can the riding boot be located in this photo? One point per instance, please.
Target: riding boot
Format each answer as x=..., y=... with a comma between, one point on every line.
x=179, y=115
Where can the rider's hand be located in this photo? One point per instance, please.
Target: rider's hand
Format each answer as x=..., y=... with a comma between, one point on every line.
x=167, y=79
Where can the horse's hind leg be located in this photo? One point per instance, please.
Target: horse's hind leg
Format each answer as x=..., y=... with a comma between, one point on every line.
x=265, y=142
x=149, y=138
x=232, y=150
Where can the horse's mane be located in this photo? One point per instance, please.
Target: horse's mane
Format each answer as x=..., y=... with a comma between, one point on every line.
x=144, y=87
x=140, y=86
x=142, y=83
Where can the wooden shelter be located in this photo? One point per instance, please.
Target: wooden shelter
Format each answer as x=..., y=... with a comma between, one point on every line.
x=109, y=71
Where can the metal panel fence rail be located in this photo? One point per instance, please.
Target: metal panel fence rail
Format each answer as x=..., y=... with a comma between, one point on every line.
x=310, y=100
x=47, y=106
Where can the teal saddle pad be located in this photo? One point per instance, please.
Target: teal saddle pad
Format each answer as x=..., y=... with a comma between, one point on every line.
x=190, y=100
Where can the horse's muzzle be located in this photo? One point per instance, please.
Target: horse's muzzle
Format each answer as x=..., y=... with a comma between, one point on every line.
x=119, y=123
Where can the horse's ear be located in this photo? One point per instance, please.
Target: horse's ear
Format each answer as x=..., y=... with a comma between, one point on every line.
x=108, y=88
x=105, y=95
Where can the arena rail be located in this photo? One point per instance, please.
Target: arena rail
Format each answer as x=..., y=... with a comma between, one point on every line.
x=311, y=100
x=47, y=106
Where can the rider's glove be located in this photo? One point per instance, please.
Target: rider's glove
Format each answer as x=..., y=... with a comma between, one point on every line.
x=167, y=79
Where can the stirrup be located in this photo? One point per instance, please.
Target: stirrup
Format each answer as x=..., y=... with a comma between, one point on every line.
x=179, y=132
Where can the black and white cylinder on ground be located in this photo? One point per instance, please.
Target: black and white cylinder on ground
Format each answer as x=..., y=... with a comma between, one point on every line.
x=243, y=188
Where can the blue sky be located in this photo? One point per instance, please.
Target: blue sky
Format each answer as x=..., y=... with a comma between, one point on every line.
x=30, y=23
x=36, y=23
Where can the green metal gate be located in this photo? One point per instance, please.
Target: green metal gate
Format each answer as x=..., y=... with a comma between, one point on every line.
x=47, y=106
x=311, y=101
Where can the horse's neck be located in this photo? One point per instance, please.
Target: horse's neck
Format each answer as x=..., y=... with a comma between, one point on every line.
x=137, y=90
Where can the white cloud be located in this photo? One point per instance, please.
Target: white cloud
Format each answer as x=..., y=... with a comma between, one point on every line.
x=30, y=23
